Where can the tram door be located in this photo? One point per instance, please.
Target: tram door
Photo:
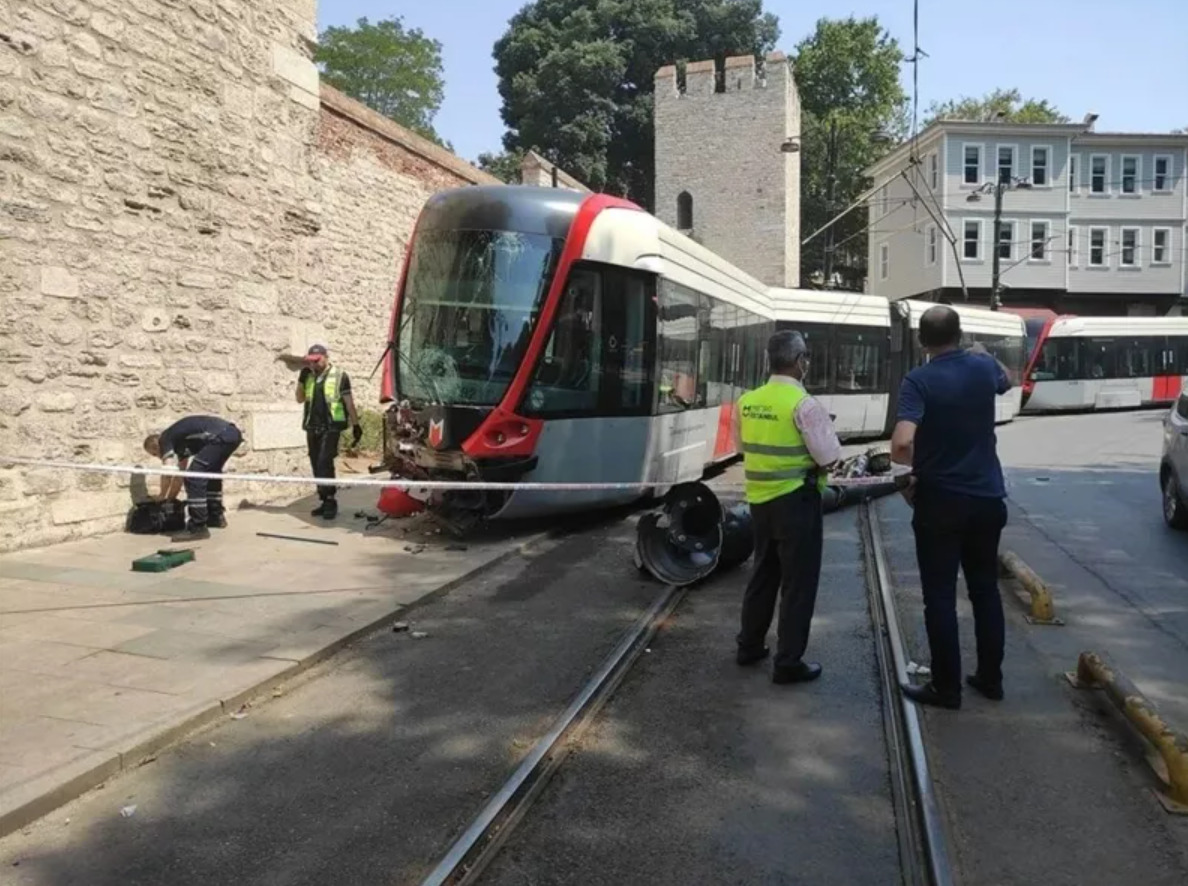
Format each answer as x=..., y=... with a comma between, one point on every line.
x=900, y=360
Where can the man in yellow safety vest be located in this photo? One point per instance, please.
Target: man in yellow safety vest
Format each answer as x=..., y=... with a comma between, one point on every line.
x=788, y=441
x=325, y=391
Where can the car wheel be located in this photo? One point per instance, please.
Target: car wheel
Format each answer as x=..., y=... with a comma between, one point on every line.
x=1174, y=511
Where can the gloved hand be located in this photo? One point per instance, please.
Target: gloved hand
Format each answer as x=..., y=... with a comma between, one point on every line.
x=303, y=375
x=357, y=432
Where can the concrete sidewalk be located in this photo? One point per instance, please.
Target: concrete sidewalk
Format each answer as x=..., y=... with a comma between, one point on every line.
x=100, y=666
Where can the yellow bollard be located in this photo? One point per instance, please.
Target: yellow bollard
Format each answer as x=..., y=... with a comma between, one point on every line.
x=1043, y=611
x=1095, y=671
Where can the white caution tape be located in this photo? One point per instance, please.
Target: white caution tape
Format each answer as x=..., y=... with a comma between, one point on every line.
x=392, y=482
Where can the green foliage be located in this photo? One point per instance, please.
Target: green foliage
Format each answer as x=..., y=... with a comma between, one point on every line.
x=853, y=107
x=373, y=434
x=576, y=77
x=1008, y=103
x=393, y=70
x=505, y=165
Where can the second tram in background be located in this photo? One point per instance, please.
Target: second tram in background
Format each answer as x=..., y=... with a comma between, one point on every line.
x=546, y=336
x=1084, y=363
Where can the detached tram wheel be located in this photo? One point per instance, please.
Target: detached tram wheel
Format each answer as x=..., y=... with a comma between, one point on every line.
x=1174, y=510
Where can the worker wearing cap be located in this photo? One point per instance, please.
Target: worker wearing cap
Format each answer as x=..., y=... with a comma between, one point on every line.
x=202, y=444
x=788, y=441
x=325, y=391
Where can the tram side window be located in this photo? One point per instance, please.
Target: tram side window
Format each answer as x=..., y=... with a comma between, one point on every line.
x=860, y=361
x=820, y=345
x=569, y=374
x=718, y=389
x=679, y=348
x=1140, y=357
x=708, y=394
x=597, y=359
x=1177, y=347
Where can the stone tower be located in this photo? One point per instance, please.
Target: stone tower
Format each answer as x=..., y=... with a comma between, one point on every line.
x=720, y=173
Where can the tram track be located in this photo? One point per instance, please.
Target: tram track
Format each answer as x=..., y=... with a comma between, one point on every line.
x=923, y=850
x=923, y=847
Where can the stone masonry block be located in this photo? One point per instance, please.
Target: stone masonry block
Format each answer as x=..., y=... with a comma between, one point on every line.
x=295, y=68
x=58, y=282
x=93, y=506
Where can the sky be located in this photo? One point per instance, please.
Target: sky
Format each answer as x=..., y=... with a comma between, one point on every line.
x=1126, y=60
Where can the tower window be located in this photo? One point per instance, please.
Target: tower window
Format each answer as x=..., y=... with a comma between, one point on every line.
x=684, y=211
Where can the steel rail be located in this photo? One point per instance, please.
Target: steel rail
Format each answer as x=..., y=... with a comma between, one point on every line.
x=923, y=846
x=482, y=839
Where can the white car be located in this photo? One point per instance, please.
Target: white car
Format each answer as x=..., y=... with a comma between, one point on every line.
x=1173, y=467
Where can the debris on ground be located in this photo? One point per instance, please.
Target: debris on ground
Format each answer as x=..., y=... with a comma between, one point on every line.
x=415, y=549
x=399, y=627
x=914, y=669
x=241, y=713
x=312, y=541
x=128, y=811
x=419, y=635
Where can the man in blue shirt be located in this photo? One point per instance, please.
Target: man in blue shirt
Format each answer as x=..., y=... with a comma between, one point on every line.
x=203, y=444
x=945, y=431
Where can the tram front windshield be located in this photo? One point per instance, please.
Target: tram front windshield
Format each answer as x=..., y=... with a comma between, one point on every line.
x=470, y=304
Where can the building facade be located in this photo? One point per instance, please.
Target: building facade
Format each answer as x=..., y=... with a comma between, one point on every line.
x=721, y=176
x=1092, y=222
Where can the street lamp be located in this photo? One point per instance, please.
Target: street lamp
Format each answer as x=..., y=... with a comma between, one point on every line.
x=1004, y=183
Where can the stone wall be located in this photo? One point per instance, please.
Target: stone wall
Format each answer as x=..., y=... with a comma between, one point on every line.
x=718, y=138
x=180, y=201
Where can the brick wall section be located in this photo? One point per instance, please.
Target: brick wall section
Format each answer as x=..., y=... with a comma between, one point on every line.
x=723, y=148
x=180, y=202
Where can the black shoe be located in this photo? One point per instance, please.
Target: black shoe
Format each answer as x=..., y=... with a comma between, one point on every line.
x=750, y=657
x=191, y=534
x=992, y=691
x=329, y=509
x=319, y=510
x=801, y=672
x=930, y=695
x=219, y=523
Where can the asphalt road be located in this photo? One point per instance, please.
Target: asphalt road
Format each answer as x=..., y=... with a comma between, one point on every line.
x=1050, y=786
x=701, y=772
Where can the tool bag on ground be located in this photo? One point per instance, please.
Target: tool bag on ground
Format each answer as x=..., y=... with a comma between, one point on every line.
x=152, y=517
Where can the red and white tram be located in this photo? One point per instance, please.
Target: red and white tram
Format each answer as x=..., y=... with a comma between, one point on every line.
x=1083, y=363
x=543, y=335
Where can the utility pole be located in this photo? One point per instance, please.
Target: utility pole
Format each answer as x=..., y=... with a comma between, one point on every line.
x=995, y=282
x=830, y=202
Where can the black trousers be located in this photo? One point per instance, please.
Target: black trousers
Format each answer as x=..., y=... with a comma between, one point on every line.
x=789, y=535
x=323, y=447
x=960, y=531
x=204, y=498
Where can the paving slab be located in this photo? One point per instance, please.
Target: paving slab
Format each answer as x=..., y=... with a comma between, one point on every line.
x=99, y=663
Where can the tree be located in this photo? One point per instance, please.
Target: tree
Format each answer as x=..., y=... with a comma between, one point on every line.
x=852, y=106
x=505, y=165
x=1001, y=104
x=576, y=77
x=394, y=71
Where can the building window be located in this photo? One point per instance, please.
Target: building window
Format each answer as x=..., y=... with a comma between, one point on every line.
x=1097, y=247
x=1006, y=240
x=973, y=164
x=1160, y=246
x=884, y=261
x=933, y=171
x=1163, y=180
x=1073, y=255
x=971, y=246
x=1073, y=169
x=930, y=245
x=1130, y=175
x=1039, y=166
x=1039, y=241
x=1098, y=167
x=1006, y=163
x=684, y=211
x=1130, y=245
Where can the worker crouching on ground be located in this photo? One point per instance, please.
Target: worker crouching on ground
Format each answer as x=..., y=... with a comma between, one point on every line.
x=325, y=391
x=945, y=431
x=788, y=443
x=203, y=444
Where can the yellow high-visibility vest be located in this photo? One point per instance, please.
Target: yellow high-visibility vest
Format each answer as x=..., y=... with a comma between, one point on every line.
x=776, y=460
x=332, y=390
